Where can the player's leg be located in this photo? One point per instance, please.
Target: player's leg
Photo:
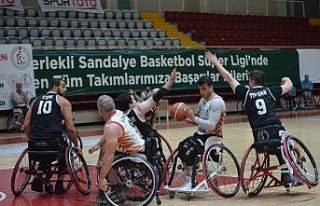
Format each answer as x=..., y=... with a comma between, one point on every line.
x=189, y=149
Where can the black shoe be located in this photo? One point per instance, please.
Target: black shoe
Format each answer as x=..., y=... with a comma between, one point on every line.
x=289, y=181
x=59, y=189
x=286, y=179
x=48, y=188
x=36, y=185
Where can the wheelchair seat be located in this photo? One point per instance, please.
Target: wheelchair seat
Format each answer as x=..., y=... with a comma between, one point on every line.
x=46, y=149
x=270, y=146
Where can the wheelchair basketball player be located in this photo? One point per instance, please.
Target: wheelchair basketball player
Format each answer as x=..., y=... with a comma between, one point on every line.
x=47, y=121
x=260, y=105
x=210, y=120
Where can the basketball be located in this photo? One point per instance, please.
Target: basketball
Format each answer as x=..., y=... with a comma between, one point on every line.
x=177, y=111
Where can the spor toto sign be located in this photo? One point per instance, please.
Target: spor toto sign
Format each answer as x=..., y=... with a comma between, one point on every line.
x=73, y=3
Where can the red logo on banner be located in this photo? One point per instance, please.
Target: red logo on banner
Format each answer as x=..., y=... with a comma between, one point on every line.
x=3, y=57
x=5, y=2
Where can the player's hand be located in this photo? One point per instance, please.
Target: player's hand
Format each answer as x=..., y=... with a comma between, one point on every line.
x=189, y=114
x=23, y=93
x=173, y=75
x=103, y=184
x=284, y=79
x=94, y=148
x=211, y=57
x=79, y=150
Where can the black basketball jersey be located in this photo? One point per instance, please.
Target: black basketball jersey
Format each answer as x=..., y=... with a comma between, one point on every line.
x=46, y=117
x=260, y=105
x=144, y=127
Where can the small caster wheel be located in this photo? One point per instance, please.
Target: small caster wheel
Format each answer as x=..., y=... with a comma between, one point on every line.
x=171, y=195
x=158, y=202
x=288, y=189
x=188, y=197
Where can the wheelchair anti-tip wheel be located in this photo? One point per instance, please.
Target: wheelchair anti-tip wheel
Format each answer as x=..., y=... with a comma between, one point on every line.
x=132, y=181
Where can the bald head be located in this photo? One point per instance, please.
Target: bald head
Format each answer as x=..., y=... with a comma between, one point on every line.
x=105, y=103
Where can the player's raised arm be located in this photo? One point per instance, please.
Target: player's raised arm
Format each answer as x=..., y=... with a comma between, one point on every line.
x=223, y=72
x=286, y=85
x=147, y=105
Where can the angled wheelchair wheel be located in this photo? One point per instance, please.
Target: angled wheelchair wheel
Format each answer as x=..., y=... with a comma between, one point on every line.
x=221, y=170
x=253, y=174
x=174, y=174
x=21, y=174
x=301, y=161
x=78, y=169
x=132, y=181
x=11, y=122
x=80, y=142
x=166, y=149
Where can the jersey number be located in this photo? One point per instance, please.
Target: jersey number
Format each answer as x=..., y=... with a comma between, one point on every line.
x=45, y=107
x=261, y=106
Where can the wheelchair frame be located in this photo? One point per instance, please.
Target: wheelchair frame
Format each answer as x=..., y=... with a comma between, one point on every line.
x=268, y=171
x=72, y=171
x=168, y=180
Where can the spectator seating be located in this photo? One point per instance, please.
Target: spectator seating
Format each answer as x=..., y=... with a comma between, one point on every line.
x=246, y=30
x=72, y=28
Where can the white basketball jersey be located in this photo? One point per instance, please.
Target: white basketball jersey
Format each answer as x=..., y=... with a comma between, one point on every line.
x=131, y=141
x=204, y=108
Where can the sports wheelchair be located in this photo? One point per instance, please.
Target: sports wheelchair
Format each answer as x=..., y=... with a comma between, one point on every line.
x=15, y=120
x=299, y=165
x=219, y=172
x=135, y=179
x=47, y=160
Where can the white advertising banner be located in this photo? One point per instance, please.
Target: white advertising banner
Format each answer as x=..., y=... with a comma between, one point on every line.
x=71, y=5
x=309, y=63
x=16, y=66
x=11, y=4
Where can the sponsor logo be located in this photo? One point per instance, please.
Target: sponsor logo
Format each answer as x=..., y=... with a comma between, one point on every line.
x=26, y=80
x=263, y=135
x=20, y=57
x=4, y=57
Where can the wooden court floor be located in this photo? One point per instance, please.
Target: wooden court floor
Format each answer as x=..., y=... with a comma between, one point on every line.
x=237, y=136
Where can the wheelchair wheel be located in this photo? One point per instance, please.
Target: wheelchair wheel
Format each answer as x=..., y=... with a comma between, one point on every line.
x=78, y=169
x=301, y=161
x=221, y=170
x=166, y=151
x=132, y=181
x=11, y=122
x=173, y=173
x=80, y=142
x=252, y=173
x=21, y=174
